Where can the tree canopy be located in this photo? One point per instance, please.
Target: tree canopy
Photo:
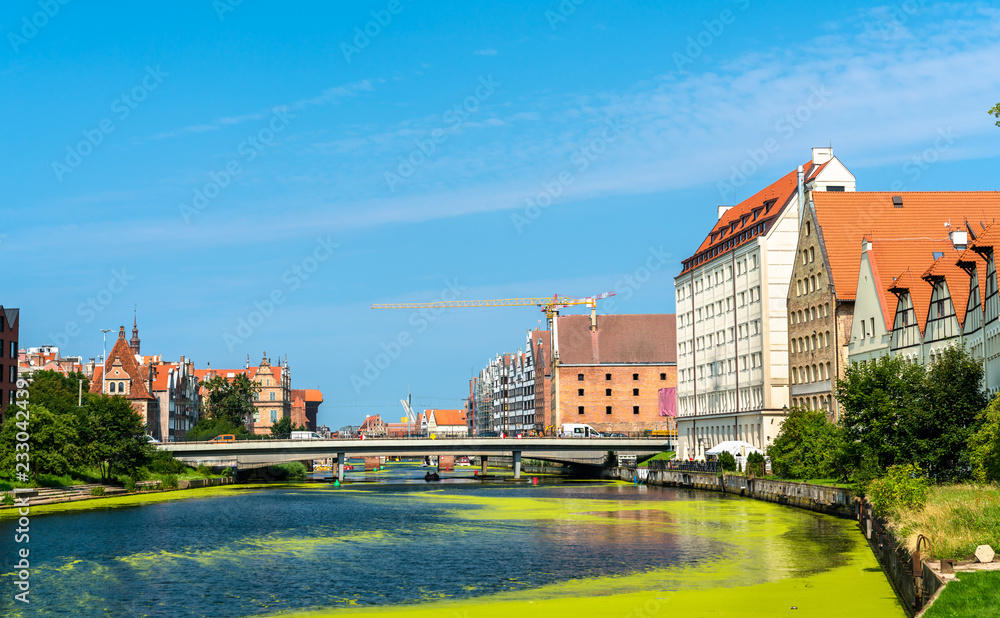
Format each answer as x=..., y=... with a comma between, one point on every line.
x=230, y=400
x=995, y=112
x=118, y=437
x=807, y=447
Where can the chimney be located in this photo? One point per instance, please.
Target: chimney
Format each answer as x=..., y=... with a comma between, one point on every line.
x=800, y=174
x=959, y=239
x=822, y=155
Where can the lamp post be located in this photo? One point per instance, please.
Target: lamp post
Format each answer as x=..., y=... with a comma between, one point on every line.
x=104, y=359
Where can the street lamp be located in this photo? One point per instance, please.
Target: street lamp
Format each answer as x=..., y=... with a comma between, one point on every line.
x=104, y=359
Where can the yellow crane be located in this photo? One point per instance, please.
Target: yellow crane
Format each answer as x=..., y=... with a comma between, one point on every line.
x=549, y=305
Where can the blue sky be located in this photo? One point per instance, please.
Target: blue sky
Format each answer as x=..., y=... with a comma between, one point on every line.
x=252, y=176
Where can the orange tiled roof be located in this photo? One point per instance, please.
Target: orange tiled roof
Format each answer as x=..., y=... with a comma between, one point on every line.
x=750, y=218
x=899, y=265
x=448, y=417
x=845, y=218
x=313, y=394
x=957, y=279
x=123, y=351
x=624, y=338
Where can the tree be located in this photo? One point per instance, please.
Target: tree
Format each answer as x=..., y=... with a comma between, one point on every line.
x=231, y=401
x=995, y=111
x=875, y=399
x=806, y=447
x=938, y=431
x=53, y=442
x=208, y=428
x=984, y=446
x=59, y=394
x=119, y=444
x=282, y=428
x=727, y=462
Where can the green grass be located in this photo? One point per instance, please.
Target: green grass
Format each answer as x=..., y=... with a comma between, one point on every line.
x=955, y=519
x=664, y=455
x=973, y=595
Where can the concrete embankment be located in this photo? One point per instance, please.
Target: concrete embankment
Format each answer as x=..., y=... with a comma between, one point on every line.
x=829, y=500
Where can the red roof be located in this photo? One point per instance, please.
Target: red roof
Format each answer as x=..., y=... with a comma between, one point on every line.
x=749, y=219
x=899, y=265
x=448, y=417
x=845, y=218
x=123, y=351
x=642, y=338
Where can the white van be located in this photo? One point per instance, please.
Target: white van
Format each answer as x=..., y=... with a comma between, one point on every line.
x=305, y=435
x=578, y=430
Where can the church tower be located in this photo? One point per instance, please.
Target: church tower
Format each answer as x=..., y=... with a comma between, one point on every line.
x=134, y=341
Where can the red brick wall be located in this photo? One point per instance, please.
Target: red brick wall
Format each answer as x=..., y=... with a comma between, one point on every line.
x=622, y=399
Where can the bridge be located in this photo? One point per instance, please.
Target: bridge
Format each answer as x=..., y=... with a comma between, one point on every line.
x=575, y=450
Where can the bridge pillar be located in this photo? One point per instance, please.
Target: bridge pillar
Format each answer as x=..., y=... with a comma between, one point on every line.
x=517, y=464
x=340, y=466
x=446, y=463
x=482, y=465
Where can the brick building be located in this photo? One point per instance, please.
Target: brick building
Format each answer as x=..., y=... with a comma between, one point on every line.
x=9, y=328
x=608, y=371
x=894, y=236
x=123, y=375
x=273, y=402
x=305, y=407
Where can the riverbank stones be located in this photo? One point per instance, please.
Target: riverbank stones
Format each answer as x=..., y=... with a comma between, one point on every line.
x=985, y=553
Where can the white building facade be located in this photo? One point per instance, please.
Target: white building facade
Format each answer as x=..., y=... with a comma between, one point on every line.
x=732, y=324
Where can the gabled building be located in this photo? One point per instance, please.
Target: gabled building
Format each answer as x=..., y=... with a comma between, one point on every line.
x=175, y=386
x=608, y=370
x=732, y=320
x=834, y=238
x=273, y=402
x=305, y=407
x=47, y=358
x=446, y=423
x=373, y=427
x=123, y=375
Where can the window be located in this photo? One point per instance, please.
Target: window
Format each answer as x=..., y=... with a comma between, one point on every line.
x=635, y=392
x=663, y=376
x=607, y=410
x=607, y=392
x=873, y=326
x=635, y=409
x=579, y=410
x=121, y=387
x=607, y=376
x=274, y=416
x=805, y=257
x=812, y=254
x=579, y=377
x=272, y=395
x=579, y=392
x=112, y=387
x=808, y=227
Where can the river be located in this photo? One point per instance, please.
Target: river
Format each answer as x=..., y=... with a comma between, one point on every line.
x=462, y=547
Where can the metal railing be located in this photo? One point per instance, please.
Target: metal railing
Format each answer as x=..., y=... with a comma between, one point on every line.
x=686, y=466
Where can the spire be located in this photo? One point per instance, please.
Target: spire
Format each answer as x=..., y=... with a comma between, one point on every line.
x=134, y=341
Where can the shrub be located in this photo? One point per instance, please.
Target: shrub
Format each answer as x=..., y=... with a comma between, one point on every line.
x=901, y=489
x=171, y=482
x=5, y=486
x=97, y=491
x=164, y=463
x=755, y=464
x=727, y=461
x=984, y=445
x=8, y=499
x=291, y=471
x=204, y=470
x=129, y=483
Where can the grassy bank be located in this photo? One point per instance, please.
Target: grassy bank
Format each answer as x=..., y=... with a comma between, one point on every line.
x=955, y=520
x=974, y=594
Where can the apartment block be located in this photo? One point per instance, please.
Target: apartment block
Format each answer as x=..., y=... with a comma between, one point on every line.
x=732, y=313
x=9, y=329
